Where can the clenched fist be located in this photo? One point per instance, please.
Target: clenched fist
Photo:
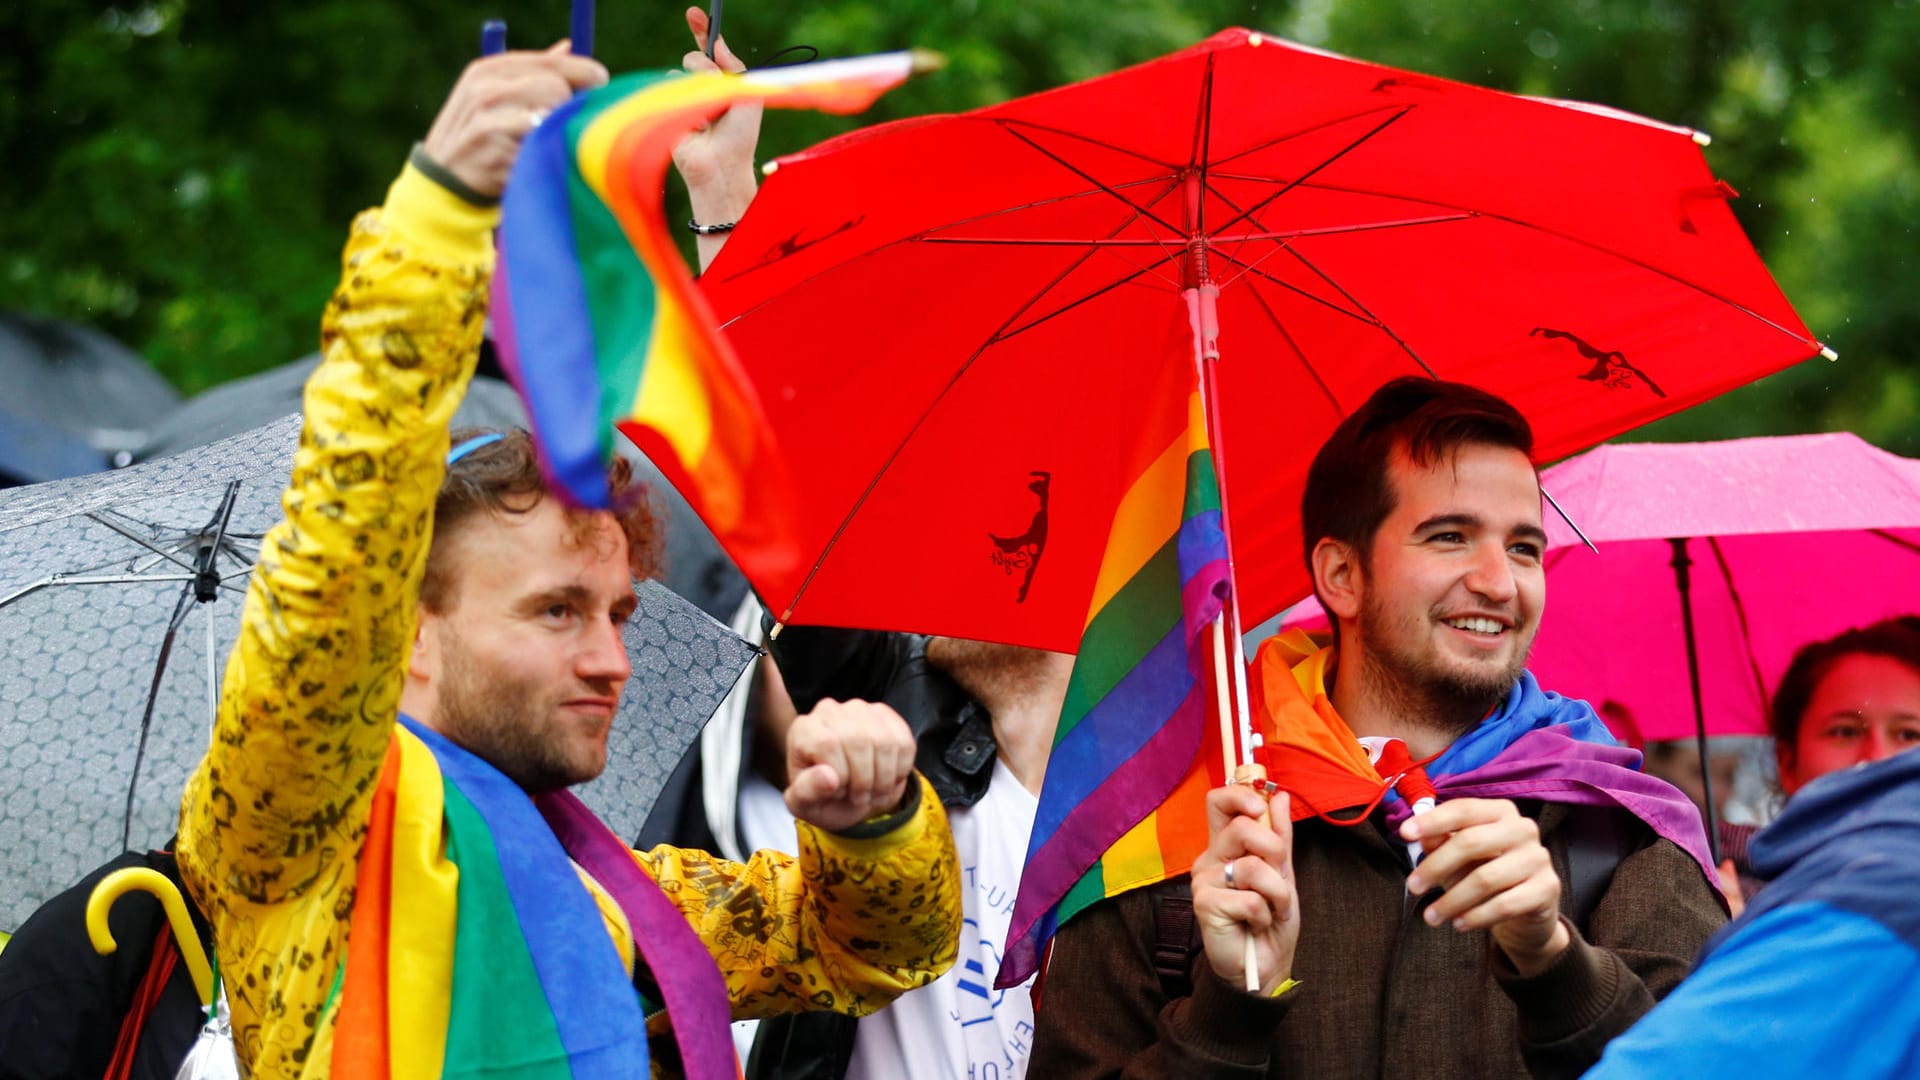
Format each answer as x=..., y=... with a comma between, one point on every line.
x=846, y=762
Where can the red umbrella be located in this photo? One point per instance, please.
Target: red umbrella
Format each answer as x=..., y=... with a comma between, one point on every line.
x=951, y=320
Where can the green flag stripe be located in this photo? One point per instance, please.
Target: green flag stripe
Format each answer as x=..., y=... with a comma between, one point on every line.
x=493, y=972
x=1122, y=634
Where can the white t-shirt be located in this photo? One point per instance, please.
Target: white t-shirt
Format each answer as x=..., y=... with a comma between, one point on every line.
x=959, y=1027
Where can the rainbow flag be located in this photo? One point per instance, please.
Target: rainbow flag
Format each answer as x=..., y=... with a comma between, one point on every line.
x=596, y=317
x=498, y=963
x=1135, y=725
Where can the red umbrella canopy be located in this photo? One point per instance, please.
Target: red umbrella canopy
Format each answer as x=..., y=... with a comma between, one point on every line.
x=954, y=322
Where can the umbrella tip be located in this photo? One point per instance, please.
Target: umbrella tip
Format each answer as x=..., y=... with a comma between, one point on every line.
x=1702, y=138
x=1255, y=40
x=769, y=168
x=925, y=61
x=1828, y=354
x=775, y=632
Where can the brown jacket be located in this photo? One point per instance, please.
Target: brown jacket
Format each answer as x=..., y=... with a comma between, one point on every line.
x=1381, y=995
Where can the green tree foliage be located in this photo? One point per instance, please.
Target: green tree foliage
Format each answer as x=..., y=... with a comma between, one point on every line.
x=180, y=172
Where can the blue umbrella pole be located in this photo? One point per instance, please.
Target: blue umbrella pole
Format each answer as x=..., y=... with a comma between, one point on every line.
x=1683, y=581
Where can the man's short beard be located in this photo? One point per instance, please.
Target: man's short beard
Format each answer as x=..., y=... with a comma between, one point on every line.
x=994, y=673
x=1449, y=702
x=493, y=722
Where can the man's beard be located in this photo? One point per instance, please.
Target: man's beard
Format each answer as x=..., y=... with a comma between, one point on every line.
x=499, y=722
x=1418, y=687
x=992, y=672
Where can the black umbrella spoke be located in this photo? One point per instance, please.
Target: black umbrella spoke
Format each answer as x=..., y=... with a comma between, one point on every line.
x=1371, y=317
x=1308, y=130
x=1203, y=144
x=1008, y=125
x=914, y=429
x=1341, y=153
x=1253, y=270
x=182, y=540
x=925, y=235
x=1740, y=614
x=1483, y=214
x=1136, y=274
x=1897, y=541
x=1301, y=354
x=180, y=609
x=1140, y=210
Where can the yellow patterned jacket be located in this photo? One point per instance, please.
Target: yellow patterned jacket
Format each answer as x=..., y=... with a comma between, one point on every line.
x=272, y=822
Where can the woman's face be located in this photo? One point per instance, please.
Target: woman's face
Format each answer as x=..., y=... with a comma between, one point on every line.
x=1865, y=709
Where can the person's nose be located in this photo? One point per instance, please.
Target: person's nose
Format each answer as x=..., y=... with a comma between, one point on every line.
x=1491, y=576
x=1878, y=745
x=603, y=657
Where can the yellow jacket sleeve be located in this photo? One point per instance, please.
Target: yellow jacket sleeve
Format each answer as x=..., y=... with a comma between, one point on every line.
x=273, y=820
x=848, y=925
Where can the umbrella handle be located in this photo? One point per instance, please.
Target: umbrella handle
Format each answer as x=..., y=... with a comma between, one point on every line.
x=493, y=37
x=118, y=884
x=582, y=27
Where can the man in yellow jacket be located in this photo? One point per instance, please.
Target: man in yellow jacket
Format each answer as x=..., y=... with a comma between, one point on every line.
x=400, y=884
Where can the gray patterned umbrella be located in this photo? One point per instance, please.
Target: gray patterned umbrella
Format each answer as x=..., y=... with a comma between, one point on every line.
x=102, y=624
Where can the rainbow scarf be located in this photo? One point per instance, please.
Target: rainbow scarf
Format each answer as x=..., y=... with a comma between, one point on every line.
x=1135, y=717
x=494, y=959
x=1536, y=745
x=597, y=320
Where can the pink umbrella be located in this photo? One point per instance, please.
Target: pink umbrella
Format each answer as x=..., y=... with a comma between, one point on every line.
x=1771, y=542
x=1783, y=541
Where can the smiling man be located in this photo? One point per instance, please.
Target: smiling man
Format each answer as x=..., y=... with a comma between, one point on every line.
x=1544, y=903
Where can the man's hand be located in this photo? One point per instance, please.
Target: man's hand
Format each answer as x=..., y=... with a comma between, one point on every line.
x=496, y=102
x=847, y=761
x=716, y=160
x=1261, y=901
x=1496, y=874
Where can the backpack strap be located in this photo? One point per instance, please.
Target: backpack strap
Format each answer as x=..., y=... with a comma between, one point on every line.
x=1596, y=844
x=1176, y=937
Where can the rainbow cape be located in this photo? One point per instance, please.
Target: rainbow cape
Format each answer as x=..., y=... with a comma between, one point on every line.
x=499, y=962
x=1135, y=721
x=596, y=318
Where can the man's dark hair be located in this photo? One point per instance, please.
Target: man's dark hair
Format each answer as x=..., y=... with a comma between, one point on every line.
x=1896, y=639
x=503, y=477
x=1348, y=493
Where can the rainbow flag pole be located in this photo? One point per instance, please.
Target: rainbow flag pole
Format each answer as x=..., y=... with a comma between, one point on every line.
x=1239, y=742
x=1123, y=804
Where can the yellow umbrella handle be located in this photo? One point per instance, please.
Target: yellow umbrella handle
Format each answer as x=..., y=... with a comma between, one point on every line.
x=119, y=883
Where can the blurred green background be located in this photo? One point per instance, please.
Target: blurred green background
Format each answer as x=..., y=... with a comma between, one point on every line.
x=180, y=174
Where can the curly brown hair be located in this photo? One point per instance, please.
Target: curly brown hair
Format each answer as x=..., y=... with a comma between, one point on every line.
x=503, y=477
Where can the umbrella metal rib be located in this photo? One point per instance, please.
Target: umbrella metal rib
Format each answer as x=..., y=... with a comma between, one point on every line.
x=1740, y=615
x=992, y=339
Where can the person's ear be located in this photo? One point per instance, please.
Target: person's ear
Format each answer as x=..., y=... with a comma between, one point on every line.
x=1783, y=759
x=423, y=663
x=1338, y=579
